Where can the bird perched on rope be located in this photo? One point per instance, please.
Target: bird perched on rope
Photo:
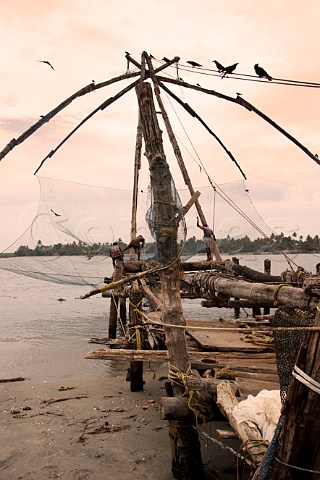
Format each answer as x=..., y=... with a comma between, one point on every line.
x=48, y=63
x=220, y=67
x=229, y=69
x=261, y=72
x=194, y=64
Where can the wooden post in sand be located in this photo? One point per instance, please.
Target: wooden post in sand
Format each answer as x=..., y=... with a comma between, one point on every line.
x=186, y=461
x=114, y=301
x=136, y=367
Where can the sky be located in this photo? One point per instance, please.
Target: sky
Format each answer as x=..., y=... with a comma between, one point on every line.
x=87, y=40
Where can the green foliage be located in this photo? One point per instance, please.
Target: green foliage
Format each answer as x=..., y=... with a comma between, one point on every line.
x=228, y=245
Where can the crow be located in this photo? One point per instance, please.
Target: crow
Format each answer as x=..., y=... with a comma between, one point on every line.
x=229, y=69
x=165, y=59
x=48, y=63
x=220, y=67
x=261, y=72
x=194, y=64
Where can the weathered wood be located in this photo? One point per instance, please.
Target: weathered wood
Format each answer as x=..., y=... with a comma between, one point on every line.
x=176, y=408
x=299, y=444
x=136, y=367
x=267, y=270
x=250, y=274
x=114, y=302
x=213, y=358
x=178, y=154
x=208, y=384
x=153, y=299
x=186, y=461
x=137, y=166
x=143, y=265
x=226, y=401
x=257, y=292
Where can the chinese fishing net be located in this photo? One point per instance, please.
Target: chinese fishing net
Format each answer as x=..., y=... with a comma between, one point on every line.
x=69, y=239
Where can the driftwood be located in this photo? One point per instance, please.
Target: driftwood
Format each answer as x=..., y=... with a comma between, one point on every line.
x=15, y=379
x=226, y=401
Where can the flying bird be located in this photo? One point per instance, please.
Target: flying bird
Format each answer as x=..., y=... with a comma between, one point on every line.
x=48, y=63
x=194, y=64
x=220, y=67
x=165, y=59
x=261, y=72
x=56, y=214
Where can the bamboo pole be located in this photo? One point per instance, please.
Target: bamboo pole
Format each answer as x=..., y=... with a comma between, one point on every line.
x=137, y=166
x=243, y=103
x=177, y=152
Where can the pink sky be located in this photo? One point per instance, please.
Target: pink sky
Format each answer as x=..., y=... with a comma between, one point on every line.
x=86, y=41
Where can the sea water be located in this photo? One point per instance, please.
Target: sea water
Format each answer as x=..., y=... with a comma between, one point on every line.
x=45, y=326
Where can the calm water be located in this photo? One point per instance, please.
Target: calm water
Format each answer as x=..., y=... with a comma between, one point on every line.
x=42, y=337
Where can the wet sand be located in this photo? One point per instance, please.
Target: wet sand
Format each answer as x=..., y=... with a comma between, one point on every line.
x=92, y=428
x=88, y=429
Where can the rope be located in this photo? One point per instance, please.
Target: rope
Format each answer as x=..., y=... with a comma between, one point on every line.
x=225, y=372
x=231, y=329
x=295, y=467
x=196, y=402
x=276, y=291
x=302, y=377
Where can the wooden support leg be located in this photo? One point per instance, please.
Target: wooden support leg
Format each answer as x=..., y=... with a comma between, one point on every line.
x=136, y=368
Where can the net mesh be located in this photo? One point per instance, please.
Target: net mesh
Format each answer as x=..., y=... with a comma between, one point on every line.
x=79, y=222
x=287, y=343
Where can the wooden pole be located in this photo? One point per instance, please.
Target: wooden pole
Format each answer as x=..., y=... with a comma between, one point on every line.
x=177, y=151
x=114, y=301
x=298, y=455
x=267, y=271
x=137, y=166
x=186, y=461
x=256, y=292
x=236, y=309
x=136, y=367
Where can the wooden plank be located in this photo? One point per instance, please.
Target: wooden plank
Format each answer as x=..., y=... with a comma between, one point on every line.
x=225, y=341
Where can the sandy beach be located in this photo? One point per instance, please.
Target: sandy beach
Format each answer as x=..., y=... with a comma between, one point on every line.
x=92, y=429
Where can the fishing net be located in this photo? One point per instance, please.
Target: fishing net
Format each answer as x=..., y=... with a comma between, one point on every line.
x=287, y=345
x=70, y=236
x=69, y=239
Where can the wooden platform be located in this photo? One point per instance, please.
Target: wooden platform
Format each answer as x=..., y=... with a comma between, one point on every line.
x=219, y=345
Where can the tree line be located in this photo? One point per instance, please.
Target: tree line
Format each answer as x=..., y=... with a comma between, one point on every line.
x=228, y=245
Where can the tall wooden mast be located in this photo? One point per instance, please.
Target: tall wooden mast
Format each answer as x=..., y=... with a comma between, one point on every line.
x=186, y=462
